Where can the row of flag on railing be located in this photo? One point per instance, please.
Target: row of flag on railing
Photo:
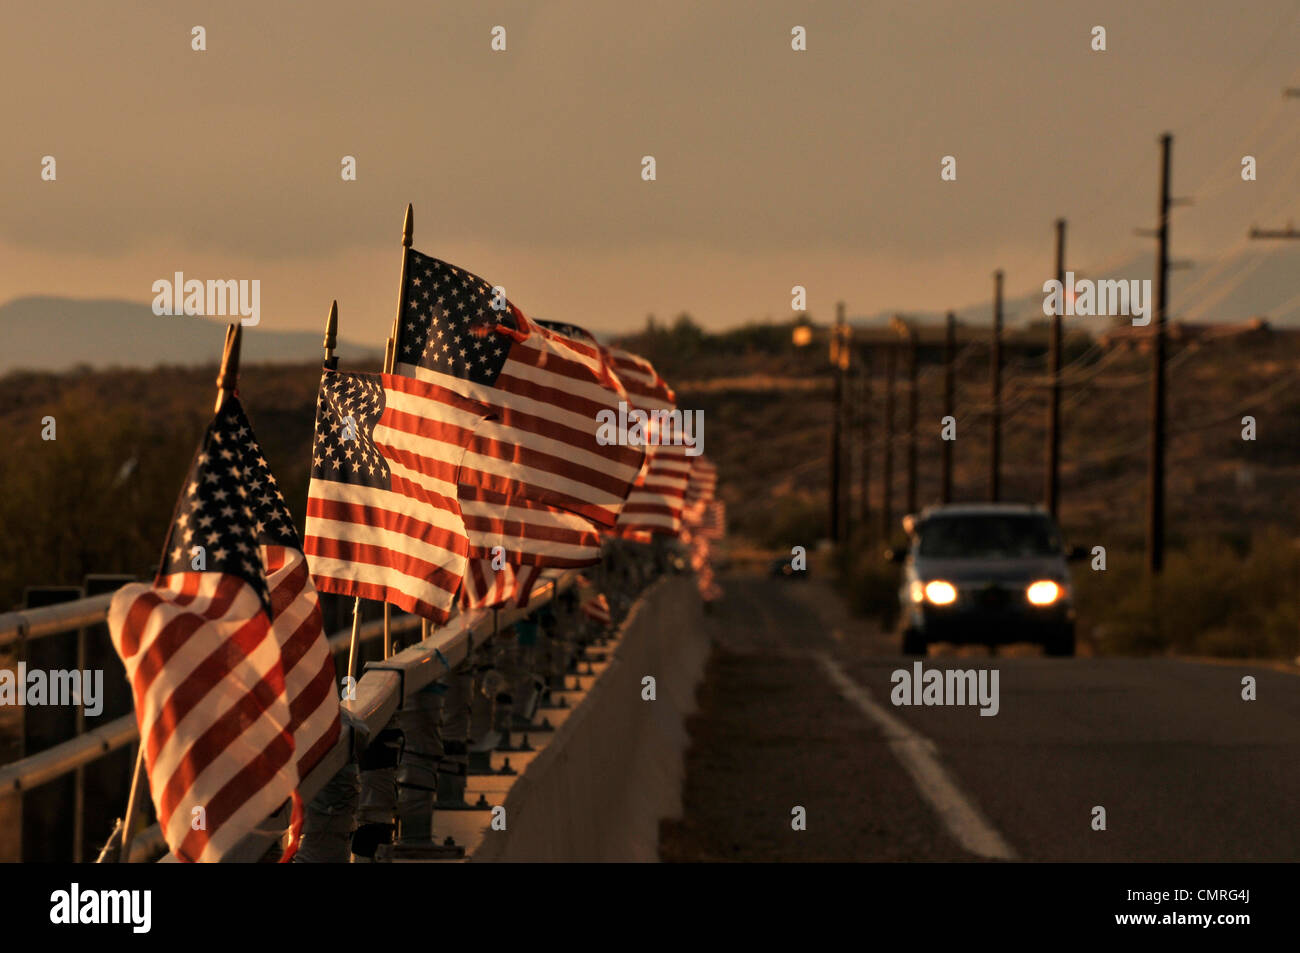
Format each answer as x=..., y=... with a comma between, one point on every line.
x=457, y=476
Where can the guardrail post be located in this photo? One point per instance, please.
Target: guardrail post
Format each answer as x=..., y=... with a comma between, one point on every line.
x=11, y=803
x=453, y=770
x=418, y=777
x=529, y=685
x=331, y=819
x=378, y=797
x=487, y=681
x=554, y=630
x=102, y=786
x=503, y=709
x=47, y=837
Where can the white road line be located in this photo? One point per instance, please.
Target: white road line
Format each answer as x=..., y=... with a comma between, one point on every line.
x=920, y=758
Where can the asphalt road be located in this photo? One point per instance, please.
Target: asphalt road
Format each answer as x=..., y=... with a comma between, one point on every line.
x=796, y=712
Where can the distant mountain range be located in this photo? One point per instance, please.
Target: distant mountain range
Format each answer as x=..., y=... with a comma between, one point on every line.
x=52, y=333
x=56, y=334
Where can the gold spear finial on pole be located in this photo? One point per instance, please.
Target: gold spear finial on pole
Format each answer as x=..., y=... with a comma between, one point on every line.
x=228, y=374
x=408, y=235
x=390, y=361
x=332, y=336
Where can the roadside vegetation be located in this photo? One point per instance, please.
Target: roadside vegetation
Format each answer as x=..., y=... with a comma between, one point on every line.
x=99, y=498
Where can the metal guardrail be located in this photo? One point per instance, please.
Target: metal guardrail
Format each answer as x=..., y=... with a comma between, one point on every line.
x=380, y=692
x=383, y=689
x=29, y=624
x=45, y=766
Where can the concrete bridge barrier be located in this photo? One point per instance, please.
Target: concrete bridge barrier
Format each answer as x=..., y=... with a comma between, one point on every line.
x=614, y=768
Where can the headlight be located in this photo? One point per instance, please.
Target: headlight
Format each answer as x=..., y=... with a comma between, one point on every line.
x=940, y=593
x=1043, y=593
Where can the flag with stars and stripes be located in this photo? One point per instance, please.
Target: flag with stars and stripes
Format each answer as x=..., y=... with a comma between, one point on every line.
x=510, y=541
x=700, y=489
x=383, y=517
x=232, y=676
x=655, y=505
x=516, y=534
x=488, y=584
x=525, y=533
x=542, y=444
x=714, y=522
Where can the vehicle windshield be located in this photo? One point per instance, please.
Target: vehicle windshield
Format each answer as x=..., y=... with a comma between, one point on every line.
x=988, y=537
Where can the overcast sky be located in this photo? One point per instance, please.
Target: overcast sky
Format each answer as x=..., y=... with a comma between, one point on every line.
x=775, y=167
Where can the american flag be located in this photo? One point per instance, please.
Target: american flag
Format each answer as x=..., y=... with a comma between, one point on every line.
x=511, y=539
x=383, y=516
x=232, y=676
x=487, y=586
x=703, y=519
x=525, y=533
x=597, y=609
x=703, y=483
x=545, y=395
x=520, y=538
x=713, y=524
x=655, y=504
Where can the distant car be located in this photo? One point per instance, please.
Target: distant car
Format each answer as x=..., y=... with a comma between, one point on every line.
x=985, y=574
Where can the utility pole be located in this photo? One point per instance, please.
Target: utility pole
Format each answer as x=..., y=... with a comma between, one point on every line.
x=1054, y=373
x=836, y=423
x=865, y=476
x=887, y=485
x=949, y=358
x=1156, y=470
x=905, y=330
x=995, y=414
x=839, y=360
x=852, y=422
x=911, y=420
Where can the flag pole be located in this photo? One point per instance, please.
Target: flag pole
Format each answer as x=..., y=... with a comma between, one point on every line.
x=228, y=374
x=332, y=363
x=408, y=235
x=128, y=822
x=390, y=361
x=227, y=377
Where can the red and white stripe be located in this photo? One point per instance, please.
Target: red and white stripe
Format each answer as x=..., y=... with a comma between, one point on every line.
x=655, y=504
x=597, y=609
x=234, y=706
x=713, y=524
x=703, y=483
x=524, y=533
x=542, y=444
x=486, y=587
x=406, y=545
x=298, y=627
